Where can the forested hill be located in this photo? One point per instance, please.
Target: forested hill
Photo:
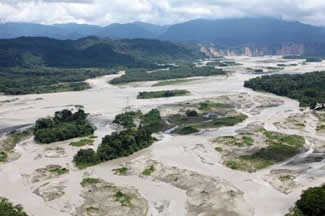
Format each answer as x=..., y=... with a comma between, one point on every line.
x=89, y=52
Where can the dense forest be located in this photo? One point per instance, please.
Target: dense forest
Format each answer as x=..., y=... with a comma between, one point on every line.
x=311, y=202
x=144, y=74
x=63, y=126
x=124, y=143
x=9, y=209
x=44, y=65
x=17, y=80
x=308, y=88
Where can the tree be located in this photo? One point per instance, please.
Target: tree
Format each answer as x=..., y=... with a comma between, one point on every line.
x=8, y=209
x=312, y=202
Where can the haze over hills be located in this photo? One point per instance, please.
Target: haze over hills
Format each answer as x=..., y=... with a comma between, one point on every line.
x=249, y=36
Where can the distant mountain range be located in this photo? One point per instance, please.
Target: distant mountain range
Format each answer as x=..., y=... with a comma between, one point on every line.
x=136, y=30
x=249, y=36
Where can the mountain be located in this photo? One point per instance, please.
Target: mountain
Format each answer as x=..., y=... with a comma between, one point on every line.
x=89, y=52
x=75, y=31
x=14, y=30
x=129, y=31
x=83, y=30
x=246, y=30
x=245, y=36
x=250, y=36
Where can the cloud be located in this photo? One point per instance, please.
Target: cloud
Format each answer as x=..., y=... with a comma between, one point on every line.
x=104, y=12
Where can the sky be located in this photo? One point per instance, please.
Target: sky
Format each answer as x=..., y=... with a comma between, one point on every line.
x=162, y=12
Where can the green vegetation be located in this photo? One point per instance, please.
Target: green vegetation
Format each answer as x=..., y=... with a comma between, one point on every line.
x=87, y=181
x=82, y=143
x=160, y=94
x=121, y=171
x=222, y=63
x=151, y=121
x=86, y=158
x=44, y=65
x=307, y=88
x=173, y=82
x=136, y=75
x=203, y=115
x=191, y=113
x=9, y=209
x=93, y=137
x=92, y=209
x=35, y=80
x=280, y=148
x=222, y=122
x=124, y=199
x=9, y=143
x=148, y=171
x=124, y=143
x=240, y=142
x=314, y=59
x=63, y=126
x=186, y=130
x=218, y=149
x=127, y=119
x=59, y=171
x=15, y=137
x=3, y=156
x=209, y=106
x=121, y=144
x=311, y=203
x=293, y=57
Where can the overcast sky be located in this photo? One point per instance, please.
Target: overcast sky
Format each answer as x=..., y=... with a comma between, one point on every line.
x=104, y=12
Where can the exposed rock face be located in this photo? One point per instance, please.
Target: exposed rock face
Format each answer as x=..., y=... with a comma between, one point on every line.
x=284, y=49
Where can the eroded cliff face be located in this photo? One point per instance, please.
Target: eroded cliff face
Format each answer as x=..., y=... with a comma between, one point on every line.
x=284, y=49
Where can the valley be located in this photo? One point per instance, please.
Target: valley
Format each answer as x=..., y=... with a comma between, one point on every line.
x=191, y=174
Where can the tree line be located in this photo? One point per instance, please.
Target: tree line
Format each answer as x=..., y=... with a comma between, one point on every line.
x=307, y=88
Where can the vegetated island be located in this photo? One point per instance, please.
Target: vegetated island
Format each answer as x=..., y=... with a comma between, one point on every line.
x=184, y=71
x=63, y=126
x=162, y=94
x=308, y=89
x=121, y=144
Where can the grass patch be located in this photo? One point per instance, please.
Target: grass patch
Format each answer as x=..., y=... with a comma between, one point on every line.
x=240, y=142
x=14, y=138
x=87, y=181
x=173, y=82
x=3, y=156
x=321, y=127
x=209, y=106
x=121, y=171
x=92, y=209
x=285, y=178
x=82, y=143
x=124, y=199
x=186, y=130
x=162, y=94
x=218, y=149
x=280, y=147
x=148, y=171
x=59, y=171
x=222, y=122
